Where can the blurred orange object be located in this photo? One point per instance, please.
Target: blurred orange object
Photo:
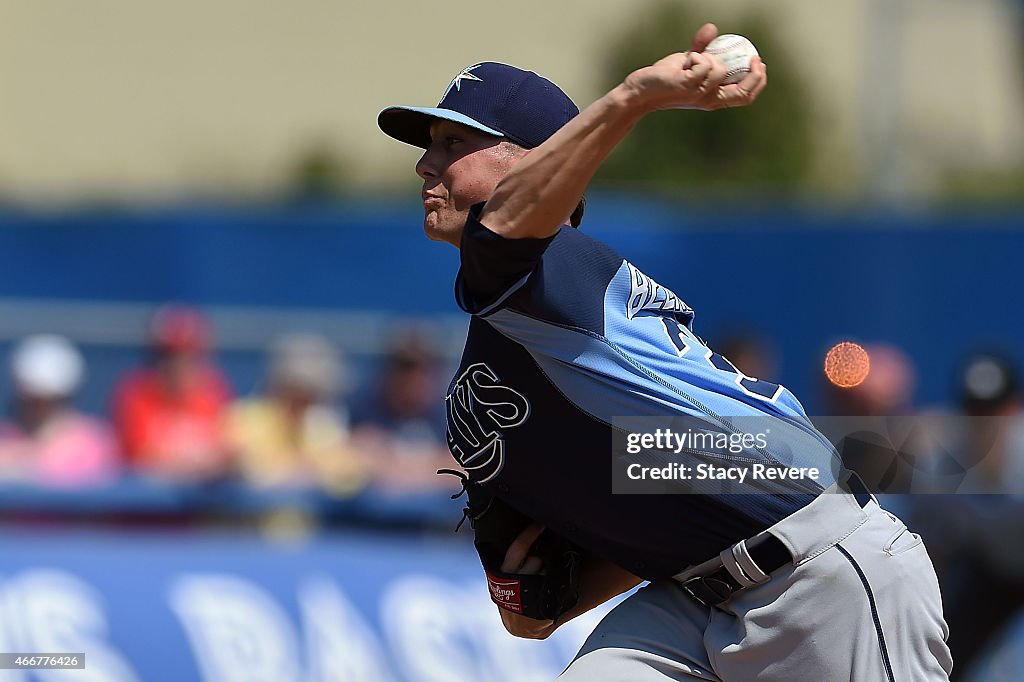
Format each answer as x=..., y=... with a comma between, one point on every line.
x=847, y=364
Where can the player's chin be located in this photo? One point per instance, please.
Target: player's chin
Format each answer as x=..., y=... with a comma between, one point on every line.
x=440, y=230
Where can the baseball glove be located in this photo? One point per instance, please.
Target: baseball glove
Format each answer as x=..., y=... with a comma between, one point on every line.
x=543, y=596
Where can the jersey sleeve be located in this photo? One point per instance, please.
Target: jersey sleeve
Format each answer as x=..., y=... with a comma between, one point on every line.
x=493, y=267
x=560, y=280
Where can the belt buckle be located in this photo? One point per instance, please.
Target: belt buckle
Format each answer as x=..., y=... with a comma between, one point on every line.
x=689, y=590
x=708, y=590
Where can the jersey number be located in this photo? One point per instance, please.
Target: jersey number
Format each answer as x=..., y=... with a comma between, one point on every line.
x=683, y=340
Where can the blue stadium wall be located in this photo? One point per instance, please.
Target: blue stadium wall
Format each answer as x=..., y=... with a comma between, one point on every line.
x=938, y=284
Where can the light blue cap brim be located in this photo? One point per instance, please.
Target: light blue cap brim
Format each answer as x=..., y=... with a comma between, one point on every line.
x=412, y=124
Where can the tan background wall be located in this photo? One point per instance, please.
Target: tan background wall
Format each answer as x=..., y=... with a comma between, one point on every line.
x=114, y=98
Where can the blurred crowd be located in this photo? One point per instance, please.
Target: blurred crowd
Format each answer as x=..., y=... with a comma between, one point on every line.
x=177, y=418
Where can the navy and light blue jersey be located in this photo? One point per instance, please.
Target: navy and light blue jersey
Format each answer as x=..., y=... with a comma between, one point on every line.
x=566, y=336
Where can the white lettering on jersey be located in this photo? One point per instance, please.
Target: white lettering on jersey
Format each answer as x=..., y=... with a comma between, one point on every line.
x=479, y=407
x=646, y=294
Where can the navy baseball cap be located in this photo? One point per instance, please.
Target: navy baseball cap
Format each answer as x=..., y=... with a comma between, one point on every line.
x=494, y=98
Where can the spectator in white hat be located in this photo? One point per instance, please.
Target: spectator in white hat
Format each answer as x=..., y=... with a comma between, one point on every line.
x=46, y=440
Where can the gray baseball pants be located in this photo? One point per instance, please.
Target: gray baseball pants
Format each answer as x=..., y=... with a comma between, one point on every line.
x=860, y=602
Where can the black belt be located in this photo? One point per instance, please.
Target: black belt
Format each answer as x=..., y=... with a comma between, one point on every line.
x=715, y=585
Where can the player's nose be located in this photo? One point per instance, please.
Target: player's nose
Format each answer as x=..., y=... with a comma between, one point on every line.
x=426, y=167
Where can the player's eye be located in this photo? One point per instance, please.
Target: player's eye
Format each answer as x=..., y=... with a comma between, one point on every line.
x=450, y=141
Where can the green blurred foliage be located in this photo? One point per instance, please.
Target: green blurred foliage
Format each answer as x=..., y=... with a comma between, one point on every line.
x=319, y=174
x=766, y=147
x=979, y=187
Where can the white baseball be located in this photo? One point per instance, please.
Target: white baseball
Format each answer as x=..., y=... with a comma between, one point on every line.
x=735, y=52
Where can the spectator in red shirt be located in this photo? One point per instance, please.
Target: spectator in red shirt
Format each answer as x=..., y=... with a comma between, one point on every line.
x=169, y=413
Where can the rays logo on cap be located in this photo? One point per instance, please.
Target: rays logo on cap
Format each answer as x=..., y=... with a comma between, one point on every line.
x=465, y=75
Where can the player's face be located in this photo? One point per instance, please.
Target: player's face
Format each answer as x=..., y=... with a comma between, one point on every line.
x=461, y=167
